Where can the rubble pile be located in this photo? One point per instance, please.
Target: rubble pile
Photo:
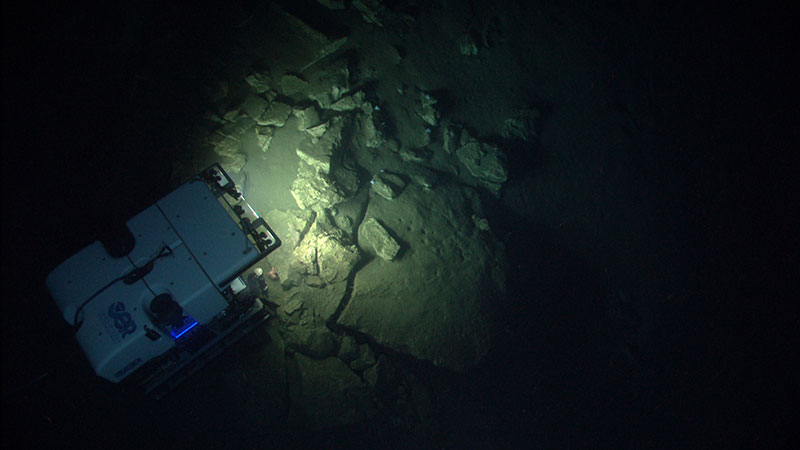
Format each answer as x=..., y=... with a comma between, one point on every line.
x=387, y=249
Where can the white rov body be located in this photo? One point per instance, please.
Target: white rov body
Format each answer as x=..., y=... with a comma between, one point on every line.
x=175, y=298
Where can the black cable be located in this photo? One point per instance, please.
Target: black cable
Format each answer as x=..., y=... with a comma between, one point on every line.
x=75, y=323
x=129, y=278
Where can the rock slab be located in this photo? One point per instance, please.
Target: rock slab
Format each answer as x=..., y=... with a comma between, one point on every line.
x=431, y=303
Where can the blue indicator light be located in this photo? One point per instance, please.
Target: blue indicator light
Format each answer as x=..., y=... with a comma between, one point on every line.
x=188, y=324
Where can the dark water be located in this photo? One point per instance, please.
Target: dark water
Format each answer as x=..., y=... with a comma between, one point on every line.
x=86, y=142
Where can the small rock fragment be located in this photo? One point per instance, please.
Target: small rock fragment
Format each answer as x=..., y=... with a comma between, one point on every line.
x=427, y=111
x=467, y=46
x=522, y=125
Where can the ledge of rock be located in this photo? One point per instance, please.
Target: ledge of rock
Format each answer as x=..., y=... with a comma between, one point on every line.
x=429, y=302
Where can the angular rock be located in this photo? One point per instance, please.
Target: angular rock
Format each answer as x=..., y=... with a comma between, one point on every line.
x=270, y=95
x=259, y=81
x=348, y=350
x=522, y=125
x=467, y=46
x=366, y=358
x=229, y=137
x=224, y=144
x=345, y=223
x=317, y=153
x=307, y=117
x=314, y=190
x=231, y=114
x=324, y=251
x=264, y=135
x=346, y=178
x=330, y=395
x=370, y=10
x=227, y=143
x=433, y=303
x=382, y=377
x=417, y=155
x=349, y=103
x=346, y=213
x=292, y=85
x=427, y=111
x=330, y=83
x=387, y=185
x=450, y=138
x=276, y=114
x=484, y=161
x=368, y=133
x=317, y=131
x=254, y=106
x=290, y=308
x=422, y=176
x=334, y=258
x=290, y=225
x=307, y=333
x=374, y=237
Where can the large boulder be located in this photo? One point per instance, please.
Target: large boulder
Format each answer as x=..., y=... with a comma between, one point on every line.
x=431, y=301
x=313, y=189
x=324, y=252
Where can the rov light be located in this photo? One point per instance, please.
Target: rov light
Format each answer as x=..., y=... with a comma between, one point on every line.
x=188, y=324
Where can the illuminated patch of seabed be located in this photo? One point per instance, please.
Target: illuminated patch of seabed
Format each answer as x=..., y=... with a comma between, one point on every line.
x=270, y=174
